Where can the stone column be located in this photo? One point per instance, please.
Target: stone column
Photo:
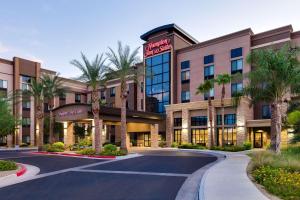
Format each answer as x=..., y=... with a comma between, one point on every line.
x=68, y=133
x=241, y=133
x=102, y=135
x=154, y=135
x=169, y=128
x=186, y=128
x=9, y=140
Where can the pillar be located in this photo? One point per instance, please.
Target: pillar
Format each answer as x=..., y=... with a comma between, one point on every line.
x=68, y=133
x=154, y=135
x=241, y=133
x=9, y=140
x=169, y=128
x=102, y=134
x=185, y=134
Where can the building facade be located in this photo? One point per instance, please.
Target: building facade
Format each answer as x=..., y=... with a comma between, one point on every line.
x=164, y=104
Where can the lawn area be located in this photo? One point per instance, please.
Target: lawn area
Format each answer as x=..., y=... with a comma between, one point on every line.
x=279, y=174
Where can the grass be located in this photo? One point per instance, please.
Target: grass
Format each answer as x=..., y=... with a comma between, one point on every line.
x=6, y=165
x=279, y=174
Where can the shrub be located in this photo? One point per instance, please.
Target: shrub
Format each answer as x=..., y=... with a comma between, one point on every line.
x=174, y=144
x=162, y=144
x=296, y=138
x=191, y=146
x=85, y=142
x=228, y=148
x=24, y=145
x=58, y=145
x=110, y=148
x=87, y=151
x=55, y=147
x=247, y=145
x=278, y=181
x=6, y=165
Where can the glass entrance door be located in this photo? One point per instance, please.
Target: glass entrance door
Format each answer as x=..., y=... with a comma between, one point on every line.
x=258, y=143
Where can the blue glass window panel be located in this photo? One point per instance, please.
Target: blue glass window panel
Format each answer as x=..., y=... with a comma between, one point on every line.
x=166, y=57
x=209, y=70
x=160, y=107
x=156, y=60
x=157, y=79
x=166, y=87
x=148, y=80
x=185, y=75
x=236, y=52
x=266, y=112
x=185, y=64
x=156, y=88
x=208, y=59
x=236, y=65
x=157, y=69
x=148, y=90
x=148, y=62
x=236, y=87
x=199, y=121
x=166, y=77
x=166, y=67
x=148, y=71
x=185, y=95
x=158, y=97
x=166, y=96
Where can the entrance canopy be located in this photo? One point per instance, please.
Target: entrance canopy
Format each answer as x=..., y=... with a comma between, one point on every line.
x=83, y=112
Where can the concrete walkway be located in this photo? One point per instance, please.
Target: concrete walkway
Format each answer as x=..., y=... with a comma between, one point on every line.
x=228, y=180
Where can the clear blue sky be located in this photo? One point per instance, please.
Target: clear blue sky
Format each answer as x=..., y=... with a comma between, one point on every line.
x=55, y=31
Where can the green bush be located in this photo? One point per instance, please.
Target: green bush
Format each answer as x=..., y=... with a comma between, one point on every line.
x=162, y=144
x=174, y=144
x=247, y=145
x=6, y=165
x=55, y=147
x=110, y=148
x=191, y=146
x=228, y=148
x=24, y=145
x=87, y=151
x=85, y=142
x=278, y=181
x=58, y=145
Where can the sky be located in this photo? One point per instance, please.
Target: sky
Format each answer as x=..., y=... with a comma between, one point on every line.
x=54, y=32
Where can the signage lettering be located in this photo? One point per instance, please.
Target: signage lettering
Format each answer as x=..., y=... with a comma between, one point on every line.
x=69, y=113
x=153, y=48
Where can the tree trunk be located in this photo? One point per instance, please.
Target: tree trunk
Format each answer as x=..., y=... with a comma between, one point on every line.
x=40, y=122
x=96, y=110
x=124, y=142
x=51, y=136
x=212, y=137
x=276, y=127
x=223, y=113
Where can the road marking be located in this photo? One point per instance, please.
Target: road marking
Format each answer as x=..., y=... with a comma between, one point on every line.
x=132, y=172
x=17, y=157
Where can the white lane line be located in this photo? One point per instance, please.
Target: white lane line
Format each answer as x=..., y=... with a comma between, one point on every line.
x=76, y=168
x=18, y=157
x=132, y=172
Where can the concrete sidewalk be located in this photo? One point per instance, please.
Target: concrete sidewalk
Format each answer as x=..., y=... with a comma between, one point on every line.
x=228, y=180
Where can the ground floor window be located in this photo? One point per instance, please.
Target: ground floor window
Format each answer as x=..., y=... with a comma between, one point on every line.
x=199, y=136
x=3, y=140
x=177, y=136
x=229, y=136
x=140, y=139
x=147, y=140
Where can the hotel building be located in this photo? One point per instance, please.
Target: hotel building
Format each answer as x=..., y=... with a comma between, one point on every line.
x=164, y=105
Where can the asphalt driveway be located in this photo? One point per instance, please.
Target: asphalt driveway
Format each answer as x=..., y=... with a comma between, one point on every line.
x=154, y=175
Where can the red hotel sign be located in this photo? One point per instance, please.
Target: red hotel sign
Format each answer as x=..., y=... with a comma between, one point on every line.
x=153, y=48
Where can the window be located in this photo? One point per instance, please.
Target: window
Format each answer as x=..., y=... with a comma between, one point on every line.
x=142, y=104
x=185, y=76
x=237, y=66
x=229, y=136
x=209, y=72
x=236, y=88
x=199, y=136
x=142, y=87
x=102, y=94
x=26, y=122
x=25, y=81
x=185, y=96
x=112, y=91
x=229, y=119
x=157, y=82
x=26, y=105
x=185, y=64
x=177, y=121
x=3, y=84
x=210, y=94
x=177, y=136
x=77, y=98
x=208, y=59
x=199, y=121
x=266, y=112
x=236, y=52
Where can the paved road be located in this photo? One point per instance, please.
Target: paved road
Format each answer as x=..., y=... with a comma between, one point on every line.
x=154, y=175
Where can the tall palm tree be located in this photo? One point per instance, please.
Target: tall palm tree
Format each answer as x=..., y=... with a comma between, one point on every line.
x=122, y=67
x=52, y=88
x=275, y=77
x=93, y=73
x=36, y=90
x=205, y=88
x=222, y=80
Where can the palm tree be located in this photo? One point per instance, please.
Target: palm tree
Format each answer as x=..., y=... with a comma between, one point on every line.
x=36, y=91
x=222, y=80
x=275, y=77
x=205, y=88
x=93, y=73
x=123, y=62
x=52, y=88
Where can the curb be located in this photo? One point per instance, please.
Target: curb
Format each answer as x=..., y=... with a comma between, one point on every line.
x=22, y=171
x=75, y=155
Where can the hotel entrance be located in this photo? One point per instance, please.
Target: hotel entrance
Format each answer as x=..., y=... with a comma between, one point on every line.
x=140, y=139
x=258, y=139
